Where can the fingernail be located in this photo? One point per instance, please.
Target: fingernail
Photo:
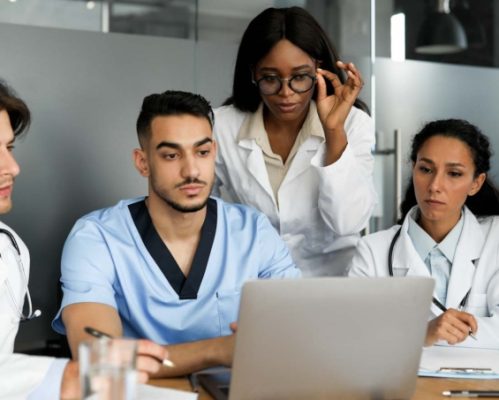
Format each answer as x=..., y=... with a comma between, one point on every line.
x=168, y=363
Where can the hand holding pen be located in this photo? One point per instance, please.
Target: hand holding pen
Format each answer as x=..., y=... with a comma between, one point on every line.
x=145, y=347
x=453, y=326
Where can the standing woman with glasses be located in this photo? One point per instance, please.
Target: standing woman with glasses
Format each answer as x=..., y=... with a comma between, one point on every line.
x=294, y=141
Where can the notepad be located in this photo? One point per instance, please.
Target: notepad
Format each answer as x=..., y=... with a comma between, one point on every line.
x=459, y=362
x=149, y=392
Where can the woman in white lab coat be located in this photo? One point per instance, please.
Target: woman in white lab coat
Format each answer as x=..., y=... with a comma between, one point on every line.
x=294, y=141
x=449, y=231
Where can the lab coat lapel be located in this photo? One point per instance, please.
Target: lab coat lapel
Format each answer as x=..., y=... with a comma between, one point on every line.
x=255, y=163
x=463, y=268
x=301, y=161
x=406, y=256
x=3, y=275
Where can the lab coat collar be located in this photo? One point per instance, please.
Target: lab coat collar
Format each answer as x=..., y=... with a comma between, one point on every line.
x=255, y=161
x=3, y=275
x=405, y=254
x=468, y=250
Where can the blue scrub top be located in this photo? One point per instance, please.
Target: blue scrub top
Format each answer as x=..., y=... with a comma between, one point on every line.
x=114, y=256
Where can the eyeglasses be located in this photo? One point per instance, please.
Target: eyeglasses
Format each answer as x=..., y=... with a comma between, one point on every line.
x=272, y=84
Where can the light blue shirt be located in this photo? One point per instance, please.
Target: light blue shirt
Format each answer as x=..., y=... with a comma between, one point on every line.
x=106, y=260
x=438, y=257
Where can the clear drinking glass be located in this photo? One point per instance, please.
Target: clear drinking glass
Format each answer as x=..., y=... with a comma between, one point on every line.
x=107, y=369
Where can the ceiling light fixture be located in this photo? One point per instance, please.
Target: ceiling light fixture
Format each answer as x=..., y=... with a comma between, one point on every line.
x=441, y=32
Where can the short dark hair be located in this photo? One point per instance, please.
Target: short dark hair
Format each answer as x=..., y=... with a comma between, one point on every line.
x=18, y=111
x=486, y=201
x=171, y=102
x=262, y=34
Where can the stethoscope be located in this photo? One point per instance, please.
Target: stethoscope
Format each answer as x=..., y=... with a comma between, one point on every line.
x=434, y=299
x=18, y=307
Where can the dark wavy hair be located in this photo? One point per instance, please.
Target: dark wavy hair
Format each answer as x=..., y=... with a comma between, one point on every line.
x=171, y=102
x=486, y=200
x=263, y=32
x=18, y=111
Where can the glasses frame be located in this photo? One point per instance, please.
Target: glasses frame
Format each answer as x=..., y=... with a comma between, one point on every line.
x=256, y=82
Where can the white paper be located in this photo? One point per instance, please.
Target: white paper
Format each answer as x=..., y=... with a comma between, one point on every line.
x=436, y=357
x=149, y=392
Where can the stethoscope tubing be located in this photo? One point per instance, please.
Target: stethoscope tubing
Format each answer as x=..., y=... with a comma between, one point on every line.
x=390, y=271
x=19, y=309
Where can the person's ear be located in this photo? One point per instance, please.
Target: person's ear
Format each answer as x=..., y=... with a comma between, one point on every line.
x=140, y=160
x=477, y=184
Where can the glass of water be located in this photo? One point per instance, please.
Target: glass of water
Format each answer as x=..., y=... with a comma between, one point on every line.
x=107, y=369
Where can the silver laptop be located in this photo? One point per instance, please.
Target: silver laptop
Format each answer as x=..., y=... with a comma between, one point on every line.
x=328, y=338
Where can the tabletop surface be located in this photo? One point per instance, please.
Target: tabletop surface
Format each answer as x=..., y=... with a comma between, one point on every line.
x=426, y=388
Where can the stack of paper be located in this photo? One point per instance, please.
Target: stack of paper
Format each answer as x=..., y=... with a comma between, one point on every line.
x=148, y=392
x=459, y=362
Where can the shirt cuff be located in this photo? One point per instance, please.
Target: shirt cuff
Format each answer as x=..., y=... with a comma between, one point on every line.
x=342, y=164
x=50, y=386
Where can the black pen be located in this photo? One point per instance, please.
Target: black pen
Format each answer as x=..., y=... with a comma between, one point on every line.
x=471, y=393
x=444, y=309
x=99, y=334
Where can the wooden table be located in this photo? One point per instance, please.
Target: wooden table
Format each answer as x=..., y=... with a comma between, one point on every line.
x=426, y=388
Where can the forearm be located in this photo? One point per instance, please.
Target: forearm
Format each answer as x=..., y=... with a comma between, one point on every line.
x=99, y=316
x=195, y=356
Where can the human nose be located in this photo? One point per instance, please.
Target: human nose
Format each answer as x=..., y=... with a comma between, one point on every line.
x=8, y=164
x=436, y=183
x=285, y=89
x=190, y=168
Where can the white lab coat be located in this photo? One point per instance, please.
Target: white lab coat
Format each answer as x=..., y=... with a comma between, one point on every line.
x=19, y=374
x=321, y=209
x=475, y=266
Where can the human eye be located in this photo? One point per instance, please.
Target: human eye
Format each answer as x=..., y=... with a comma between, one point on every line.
x=169, y=156
x=204, y=152
x=300, y=77
x=455, y=174
x=424, y=169
x=269, y=78
x=11, y=147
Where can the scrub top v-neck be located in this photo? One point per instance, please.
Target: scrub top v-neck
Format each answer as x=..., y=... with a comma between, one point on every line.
x=115, y=257
x=186, y=287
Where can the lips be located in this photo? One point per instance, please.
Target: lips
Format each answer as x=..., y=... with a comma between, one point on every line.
x=287, y=107
x=191, y=190
x=6, y=190
x=434, y=202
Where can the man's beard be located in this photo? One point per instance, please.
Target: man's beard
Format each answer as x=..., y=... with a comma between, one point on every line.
x=180, y=207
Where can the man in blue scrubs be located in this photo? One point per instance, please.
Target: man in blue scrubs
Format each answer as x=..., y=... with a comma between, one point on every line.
x=169, y=266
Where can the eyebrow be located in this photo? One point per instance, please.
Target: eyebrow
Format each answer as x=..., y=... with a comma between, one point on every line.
x=177, y=146
x=271, y=69
x=450, y=164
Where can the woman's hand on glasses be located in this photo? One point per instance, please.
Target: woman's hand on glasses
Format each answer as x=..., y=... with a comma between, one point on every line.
x=333, y=109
